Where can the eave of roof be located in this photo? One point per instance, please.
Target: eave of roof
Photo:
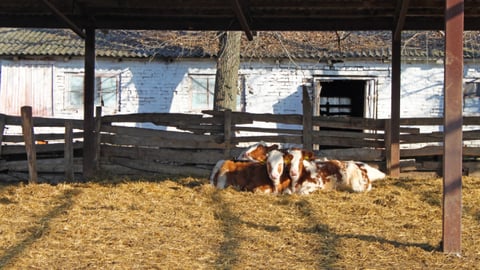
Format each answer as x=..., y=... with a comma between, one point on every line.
x=25, y=42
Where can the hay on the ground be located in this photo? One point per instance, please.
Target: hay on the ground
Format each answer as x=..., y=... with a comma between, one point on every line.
x=187, y=224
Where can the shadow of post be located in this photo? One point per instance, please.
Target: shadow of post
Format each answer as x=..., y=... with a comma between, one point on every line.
x=328, y=251
x=42, y=226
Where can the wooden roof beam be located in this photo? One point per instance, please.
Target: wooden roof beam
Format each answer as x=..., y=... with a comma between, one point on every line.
x=237, y=8
x=64, y=18
x=399, y=21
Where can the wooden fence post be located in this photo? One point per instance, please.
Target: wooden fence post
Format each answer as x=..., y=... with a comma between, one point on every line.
x=2, y=128
x=68, y=151
x=98, y=126
x=307, y=120
x=227, y=132
x=388, y=148
x=28, y=137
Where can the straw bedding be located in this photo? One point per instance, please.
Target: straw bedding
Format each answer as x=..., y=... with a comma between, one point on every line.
x=185, y=223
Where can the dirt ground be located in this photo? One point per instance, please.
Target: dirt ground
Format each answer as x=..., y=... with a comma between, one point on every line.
x=184, y=223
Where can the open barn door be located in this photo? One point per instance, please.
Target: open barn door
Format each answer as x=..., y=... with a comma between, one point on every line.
x=339, y=96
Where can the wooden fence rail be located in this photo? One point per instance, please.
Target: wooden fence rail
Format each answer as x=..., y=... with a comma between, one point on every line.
x=185, y=144
x=57, y=146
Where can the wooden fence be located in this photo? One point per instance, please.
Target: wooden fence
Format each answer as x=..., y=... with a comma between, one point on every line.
x=186, y=144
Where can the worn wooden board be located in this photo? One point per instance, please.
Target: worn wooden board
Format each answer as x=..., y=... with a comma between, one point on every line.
x=50, y=165
x=366, y=154
x=179, y=156
x=155, y=167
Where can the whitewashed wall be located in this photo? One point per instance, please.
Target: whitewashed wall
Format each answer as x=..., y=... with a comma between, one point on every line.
x=271, y=87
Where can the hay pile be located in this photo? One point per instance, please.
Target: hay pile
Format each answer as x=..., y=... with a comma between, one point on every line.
x=187, y=224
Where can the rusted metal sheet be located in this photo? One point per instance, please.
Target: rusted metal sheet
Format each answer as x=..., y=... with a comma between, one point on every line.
x=452, y=158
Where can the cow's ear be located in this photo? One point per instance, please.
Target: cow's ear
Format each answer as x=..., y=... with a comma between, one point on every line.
x=308, y=155
x=287, y=158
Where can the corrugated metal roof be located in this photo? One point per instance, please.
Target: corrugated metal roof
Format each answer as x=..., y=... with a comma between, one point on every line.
x=181, y=44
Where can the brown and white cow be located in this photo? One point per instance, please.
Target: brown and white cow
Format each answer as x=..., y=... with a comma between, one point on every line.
x=277, y=161
x=266, y=177
x=243, y=175
x=296, y=166
x=308, y=181
x=347, y=175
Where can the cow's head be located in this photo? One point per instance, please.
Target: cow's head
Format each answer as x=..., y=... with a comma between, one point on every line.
x=275, y=165
x=296, y=164
x=257, y=152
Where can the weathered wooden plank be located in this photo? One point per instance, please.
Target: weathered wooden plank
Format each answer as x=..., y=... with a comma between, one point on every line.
x=471, y=120
x=421, y=138
x=348, y=122
x=269, y=130
x=349, y=134
x=49, y=165
x=162, y=134
x=422, y=152
x=44, y=122
x=247, y=118
x=471, y=135
x=40, y=148
x=471, y=151
x=182, y=141
x=175, y=156
x=156, y=167
x=155, y=118
x=437, y=151
x=201, y=128
x=409, y=130
x=42, y=137
x=421, y=121
x=13, y=177
x=363, y=154
x=346, y=142
x=269, y=139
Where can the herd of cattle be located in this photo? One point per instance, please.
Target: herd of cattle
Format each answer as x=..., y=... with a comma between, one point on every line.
x=268, y=169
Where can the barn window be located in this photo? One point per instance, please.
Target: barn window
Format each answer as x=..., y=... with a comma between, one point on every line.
x=202, y=89
x=106, y=88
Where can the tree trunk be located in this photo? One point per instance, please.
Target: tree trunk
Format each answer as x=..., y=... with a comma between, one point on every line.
x=228, y=63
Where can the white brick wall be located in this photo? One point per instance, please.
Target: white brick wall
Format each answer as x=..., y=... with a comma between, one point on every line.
x=160, y=86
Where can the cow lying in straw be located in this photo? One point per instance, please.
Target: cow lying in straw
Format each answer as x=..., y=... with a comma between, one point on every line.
x=266, y=177
x=269, y=170
x=343, y=175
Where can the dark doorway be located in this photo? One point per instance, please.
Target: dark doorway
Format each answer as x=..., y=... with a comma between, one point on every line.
x=342, y=98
